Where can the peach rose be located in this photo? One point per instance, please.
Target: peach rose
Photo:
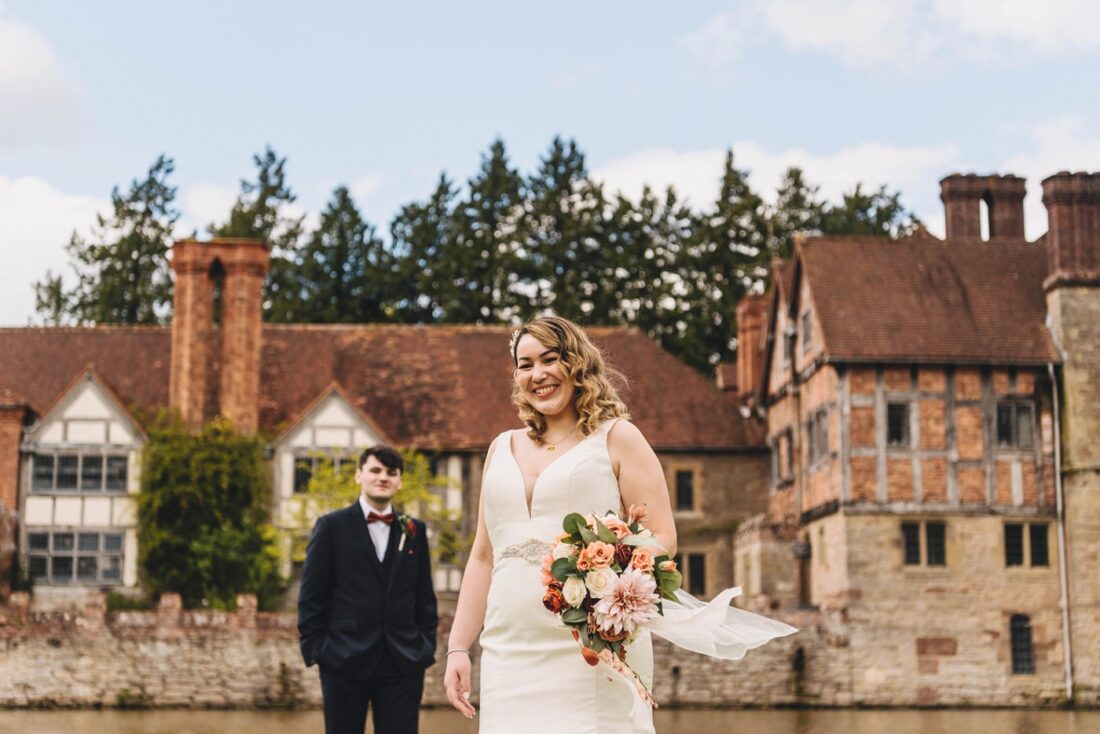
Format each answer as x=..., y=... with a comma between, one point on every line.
x=642, y=560
x=616, y=526
x=545, y=577
x=636, y=513
x=596, y=555
x=668, y=566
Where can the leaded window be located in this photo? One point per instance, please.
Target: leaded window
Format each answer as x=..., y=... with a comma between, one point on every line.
x=910, y=534
x=79, y=472
x=1014, y=544
x=306, y=466
x=1023, y=652
x=1014, y=424
x=66, y=557
x=697, y=574
x=1040, y=552
x=685, y=490
x=897, y=425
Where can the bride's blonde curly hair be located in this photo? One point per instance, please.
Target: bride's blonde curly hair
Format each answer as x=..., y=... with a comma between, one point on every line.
x=582, y=363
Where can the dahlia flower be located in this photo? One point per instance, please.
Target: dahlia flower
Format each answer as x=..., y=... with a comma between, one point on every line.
x=631, y=603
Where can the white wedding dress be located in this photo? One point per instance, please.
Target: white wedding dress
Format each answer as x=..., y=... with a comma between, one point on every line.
x=533, y=678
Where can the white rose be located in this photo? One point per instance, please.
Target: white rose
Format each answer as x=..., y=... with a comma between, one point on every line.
x=574, y=591
x=564, y=550
x=601, y=582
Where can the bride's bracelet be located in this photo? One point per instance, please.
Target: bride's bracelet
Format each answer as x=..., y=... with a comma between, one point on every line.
x=458, y=649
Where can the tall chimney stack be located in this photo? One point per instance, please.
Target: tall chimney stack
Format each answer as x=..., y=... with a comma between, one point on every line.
x=1073, y=235
x=752, y=313
x=241, y=265
x=962, y=196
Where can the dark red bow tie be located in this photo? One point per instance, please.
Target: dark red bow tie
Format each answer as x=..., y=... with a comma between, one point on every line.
x=387, y=518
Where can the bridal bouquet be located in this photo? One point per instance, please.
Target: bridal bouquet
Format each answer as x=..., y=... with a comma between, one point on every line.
x=606, y=577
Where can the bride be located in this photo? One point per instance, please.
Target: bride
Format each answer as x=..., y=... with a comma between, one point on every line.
x=579, y=453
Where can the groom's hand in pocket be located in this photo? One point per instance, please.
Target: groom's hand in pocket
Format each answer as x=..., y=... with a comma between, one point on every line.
x=457, y=683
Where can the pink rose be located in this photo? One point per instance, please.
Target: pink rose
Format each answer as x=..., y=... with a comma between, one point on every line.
x=545, y=576
x=642, y=560
x=668, y=566
x=636, y=513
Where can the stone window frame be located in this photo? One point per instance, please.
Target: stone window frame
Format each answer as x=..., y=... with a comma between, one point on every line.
x=1021, y=644
x=54, y=551
x=1029, y=533
x=924, y=535
x=782, y=475
x=696, y=469
x=694, y=583
x=106, y=487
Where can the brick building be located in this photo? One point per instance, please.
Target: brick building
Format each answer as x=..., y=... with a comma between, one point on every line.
x=932, y=406
x=71, y=402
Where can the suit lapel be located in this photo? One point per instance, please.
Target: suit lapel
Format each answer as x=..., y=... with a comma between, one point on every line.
x=393, y=553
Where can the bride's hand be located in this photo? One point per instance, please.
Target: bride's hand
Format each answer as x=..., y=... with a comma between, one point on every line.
x=456, y=681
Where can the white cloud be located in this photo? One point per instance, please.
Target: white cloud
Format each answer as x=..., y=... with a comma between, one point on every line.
x=861, y=32
x=1054, y=26
x=36, y=221
x=202, y=205
x=915, y=171
x=715, y=43
x=39, y=100
x=1060, y=144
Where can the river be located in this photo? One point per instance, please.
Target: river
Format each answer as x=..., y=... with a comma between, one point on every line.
x=939, y=721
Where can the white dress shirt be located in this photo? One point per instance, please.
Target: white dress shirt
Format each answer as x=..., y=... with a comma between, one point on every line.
x=379, y=531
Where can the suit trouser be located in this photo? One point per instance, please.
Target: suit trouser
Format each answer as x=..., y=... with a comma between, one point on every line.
x=392, y=695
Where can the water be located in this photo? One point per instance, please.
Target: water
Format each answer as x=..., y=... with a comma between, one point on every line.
x=668, y=722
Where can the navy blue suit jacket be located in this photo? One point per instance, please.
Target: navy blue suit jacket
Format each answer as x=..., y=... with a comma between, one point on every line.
x=350, y=606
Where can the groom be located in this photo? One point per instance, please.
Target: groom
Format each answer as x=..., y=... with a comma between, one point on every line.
x=366, y=609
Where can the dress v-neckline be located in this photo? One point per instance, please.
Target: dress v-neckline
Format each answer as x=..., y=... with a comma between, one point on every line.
x=529, y=502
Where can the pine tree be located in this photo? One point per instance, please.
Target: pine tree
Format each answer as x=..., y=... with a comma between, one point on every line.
x=484, y=249
x=798, y=210
x=260, y=212
x=563, y=254
x=346, y=274
x=421, y=234
x=122, y=272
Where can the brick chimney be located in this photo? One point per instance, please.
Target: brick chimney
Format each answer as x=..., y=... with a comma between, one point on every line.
x=1073, y=237
x=752, y=314
x=1004, y=198
x=239, y=266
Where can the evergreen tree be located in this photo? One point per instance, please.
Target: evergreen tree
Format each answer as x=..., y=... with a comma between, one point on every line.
x=260, y=212
x=727, y=257
x=484, y=251
x=421, y=234
x=879, y=213
x=564, y=256
x=798, y=210
x=122, y=272
x=346, y=274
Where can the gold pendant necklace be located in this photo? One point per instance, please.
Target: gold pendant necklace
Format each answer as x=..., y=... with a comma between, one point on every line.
x=553, y=446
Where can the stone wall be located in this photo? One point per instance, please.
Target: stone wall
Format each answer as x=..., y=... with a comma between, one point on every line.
x=170, y=657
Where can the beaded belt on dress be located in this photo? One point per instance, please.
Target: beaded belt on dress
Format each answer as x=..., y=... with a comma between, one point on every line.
x=532, y=550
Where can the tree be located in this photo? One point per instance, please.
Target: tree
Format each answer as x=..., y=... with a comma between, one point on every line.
x=724, y=259
x=484, y=250
x=798, y=210
x=261, y=212
x=122, y=272
x=879, y=214
x=563, y=259
x=346, y=273
x=202, y=517
x=421, y=234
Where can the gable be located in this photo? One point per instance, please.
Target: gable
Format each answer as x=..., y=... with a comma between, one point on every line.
x=332, y=422
x=87, y=413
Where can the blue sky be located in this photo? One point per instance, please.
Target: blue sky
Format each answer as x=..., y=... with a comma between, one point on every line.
x=383, y=97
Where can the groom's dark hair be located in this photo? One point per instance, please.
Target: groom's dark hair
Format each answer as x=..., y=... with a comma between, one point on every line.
x=386, y=454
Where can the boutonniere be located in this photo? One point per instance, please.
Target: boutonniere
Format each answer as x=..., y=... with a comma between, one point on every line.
x=407, y=526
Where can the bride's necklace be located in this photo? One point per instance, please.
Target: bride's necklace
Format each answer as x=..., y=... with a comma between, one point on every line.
x=553, y=445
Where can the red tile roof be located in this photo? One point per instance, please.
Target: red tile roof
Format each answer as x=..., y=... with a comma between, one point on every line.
x=433, y=387
x=927, y=300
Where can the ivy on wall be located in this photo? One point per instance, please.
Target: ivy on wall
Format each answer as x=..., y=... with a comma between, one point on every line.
x=203, y=527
